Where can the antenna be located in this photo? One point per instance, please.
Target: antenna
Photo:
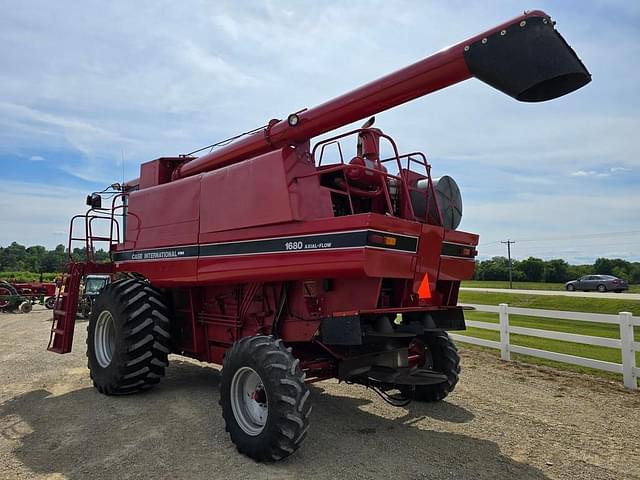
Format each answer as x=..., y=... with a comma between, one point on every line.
x=122, y=156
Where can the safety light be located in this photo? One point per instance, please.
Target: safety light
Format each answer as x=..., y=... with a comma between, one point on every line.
x=382, y=240
x=390, y=241
x=293, y=120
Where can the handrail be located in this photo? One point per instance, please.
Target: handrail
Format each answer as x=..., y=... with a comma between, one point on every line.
x=89, y=217
x=402, y=173
x=343, y=167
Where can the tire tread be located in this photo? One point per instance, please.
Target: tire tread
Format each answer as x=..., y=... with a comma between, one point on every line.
x=145, y=342
x=288, y=406
x=447, y=361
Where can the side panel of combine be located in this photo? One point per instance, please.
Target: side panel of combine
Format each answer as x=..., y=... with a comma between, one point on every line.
x=236, y=196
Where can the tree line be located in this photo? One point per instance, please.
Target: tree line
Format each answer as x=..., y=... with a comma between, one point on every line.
x=537, y=270
x=18, y=258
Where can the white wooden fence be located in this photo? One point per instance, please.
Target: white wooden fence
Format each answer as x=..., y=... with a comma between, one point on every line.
x=627, y=344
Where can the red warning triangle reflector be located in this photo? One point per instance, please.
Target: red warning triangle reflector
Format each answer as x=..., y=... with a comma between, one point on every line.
x=424, y=291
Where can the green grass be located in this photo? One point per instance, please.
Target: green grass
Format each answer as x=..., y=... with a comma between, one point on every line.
x=551, y=302
x=575, y=304
x=28, y=276
x=605, y=330
x=588, y=351
x=526, y=285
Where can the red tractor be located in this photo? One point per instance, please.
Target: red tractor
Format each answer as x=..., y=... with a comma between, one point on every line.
x=286, y=270
x=24, y=295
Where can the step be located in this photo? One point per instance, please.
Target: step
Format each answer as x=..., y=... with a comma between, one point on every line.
x=406, y=376
x=56, y=349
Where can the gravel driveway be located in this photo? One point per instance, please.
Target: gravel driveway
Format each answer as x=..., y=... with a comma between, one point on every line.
x=503, y=421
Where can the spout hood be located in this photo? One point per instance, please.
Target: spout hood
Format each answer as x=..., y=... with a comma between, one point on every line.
x=528, y=60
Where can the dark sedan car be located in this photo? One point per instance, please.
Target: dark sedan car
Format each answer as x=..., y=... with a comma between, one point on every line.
x=601, y=283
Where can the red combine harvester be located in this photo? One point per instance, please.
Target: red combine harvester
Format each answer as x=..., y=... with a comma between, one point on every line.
x=287, y=270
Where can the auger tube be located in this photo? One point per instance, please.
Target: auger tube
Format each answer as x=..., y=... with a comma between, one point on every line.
x=525, y=58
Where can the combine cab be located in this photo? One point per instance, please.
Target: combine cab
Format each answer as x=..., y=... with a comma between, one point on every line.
x=286, y=268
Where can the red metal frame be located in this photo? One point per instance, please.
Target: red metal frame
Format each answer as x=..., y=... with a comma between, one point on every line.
x=400, y=179
x=34, y=290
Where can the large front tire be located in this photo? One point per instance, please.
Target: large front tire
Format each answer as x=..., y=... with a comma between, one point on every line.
x=128, y=338
x=264, y=399
x=441, y=355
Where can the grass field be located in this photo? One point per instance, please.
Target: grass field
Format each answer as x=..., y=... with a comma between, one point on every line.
x=550, y=302
x=28, y=276
x=526, y=285
x=575, y=304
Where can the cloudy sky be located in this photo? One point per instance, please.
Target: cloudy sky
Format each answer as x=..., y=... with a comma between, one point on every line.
x=84, y=85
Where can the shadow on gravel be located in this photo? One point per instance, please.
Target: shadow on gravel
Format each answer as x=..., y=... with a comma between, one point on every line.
x=176, y=431
x=443, y=411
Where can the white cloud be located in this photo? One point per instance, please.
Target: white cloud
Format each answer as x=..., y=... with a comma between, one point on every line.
x=47, y=208
x=590, y=173
x=565, y=218
x=583, y=173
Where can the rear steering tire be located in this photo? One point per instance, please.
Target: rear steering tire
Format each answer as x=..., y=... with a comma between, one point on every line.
x=128, y=338
x=264, y=399
x=442, y=356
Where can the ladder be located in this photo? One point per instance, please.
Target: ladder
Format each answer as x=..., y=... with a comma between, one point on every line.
x=66, y=306
x=64, y=313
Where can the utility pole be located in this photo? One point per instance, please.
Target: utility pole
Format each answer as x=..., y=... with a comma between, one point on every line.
x=509, y=242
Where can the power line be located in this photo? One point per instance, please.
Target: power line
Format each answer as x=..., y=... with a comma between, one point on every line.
x=588, y=236
x=569, y=237
x=577, y=247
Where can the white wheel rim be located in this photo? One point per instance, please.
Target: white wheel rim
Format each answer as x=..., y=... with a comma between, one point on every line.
x=249, y=401
x=104, y=338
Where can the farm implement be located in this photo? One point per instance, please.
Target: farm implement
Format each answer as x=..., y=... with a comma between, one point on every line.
x=23, y=295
